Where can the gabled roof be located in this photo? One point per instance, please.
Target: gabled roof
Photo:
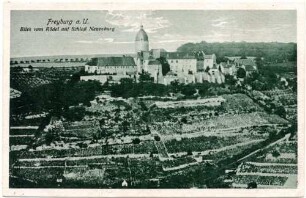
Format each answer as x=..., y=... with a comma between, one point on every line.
x=208, y=56
x=228, y=66
x=225, y=65
x=171, y=73
x=178, y=55
x=153, y=62
x=249, y=68
x=112, y=61
x=245, y=62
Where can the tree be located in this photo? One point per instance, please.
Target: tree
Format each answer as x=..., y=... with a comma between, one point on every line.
x=188, y=90
x=157, y=138
x=147, y=130
x=136, y=141
x=229, y=80
x=145, y=77
x=175, y=86
x=184, y=120
x=241, y=73
x=49, y=138
x=252, y=185
x=272, y=134
x=259, y=62
x=281, y=111
x=53, y=131
x=165, y=65
x=75, y=114
x=293, y=129
x=125, y=126
x=143, y=106
x=275, y=153
x=75, y=77
x=30, y=67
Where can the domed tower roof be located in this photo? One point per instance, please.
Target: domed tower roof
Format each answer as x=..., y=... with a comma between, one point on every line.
x=142, y=35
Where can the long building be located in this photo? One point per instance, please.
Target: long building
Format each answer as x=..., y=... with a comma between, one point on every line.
x=124, y=65
x=185, y=67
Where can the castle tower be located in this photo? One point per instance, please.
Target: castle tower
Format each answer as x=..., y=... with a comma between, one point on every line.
x=141, y=41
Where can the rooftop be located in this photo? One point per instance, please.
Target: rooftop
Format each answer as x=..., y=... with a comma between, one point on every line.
x=141, y=35
x=154, y=62
x=225, y=65
x=171, y=73
x=215, y=67
x=249, y=68
x=178, y=55
x=208, y=56
x=245, y=62
x=112, y=61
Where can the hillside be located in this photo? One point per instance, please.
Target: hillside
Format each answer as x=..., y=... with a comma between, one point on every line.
x=272, y=52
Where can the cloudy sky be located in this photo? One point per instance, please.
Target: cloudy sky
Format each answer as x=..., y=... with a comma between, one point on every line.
x=166, y=29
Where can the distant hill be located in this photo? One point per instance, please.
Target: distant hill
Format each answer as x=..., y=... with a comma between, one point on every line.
x=272, y=52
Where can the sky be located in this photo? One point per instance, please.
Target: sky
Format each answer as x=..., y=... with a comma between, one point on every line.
x=166, y=29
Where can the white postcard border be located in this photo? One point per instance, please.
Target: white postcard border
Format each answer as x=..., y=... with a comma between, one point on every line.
x=299, y=6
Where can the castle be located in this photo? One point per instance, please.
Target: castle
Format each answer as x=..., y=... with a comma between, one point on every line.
x=185, y=68
x=162, y=66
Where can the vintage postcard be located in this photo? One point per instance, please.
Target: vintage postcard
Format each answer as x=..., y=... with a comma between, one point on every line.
x=154, y=100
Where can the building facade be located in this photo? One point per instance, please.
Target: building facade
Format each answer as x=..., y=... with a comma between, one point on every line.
x=185, y=67
x=111, y=66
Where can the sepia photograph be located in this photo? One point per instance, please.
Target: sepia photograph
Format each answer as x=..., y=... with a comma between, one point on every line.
x=153, y=99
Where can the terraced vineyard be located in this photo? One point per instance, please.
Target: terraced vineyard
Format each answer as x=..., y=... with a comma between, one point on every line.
x=124, y=140
x=273, y=167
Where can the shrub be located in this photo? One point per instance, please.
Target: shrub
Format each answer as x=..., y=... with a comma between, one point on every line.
x=157, y=138
x=75, y=114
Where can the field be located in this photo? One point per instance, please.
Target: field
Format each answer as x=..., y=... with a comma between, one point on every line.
x=240, y=103
x=203, y=143
x=131, y=140
x=25, y=81
x=270, y=167
x=261, y=180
